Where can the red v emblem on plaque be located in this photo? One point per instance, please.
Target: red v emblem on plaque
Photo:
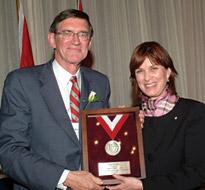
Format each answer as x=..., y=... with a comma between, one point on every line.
x=112, y=127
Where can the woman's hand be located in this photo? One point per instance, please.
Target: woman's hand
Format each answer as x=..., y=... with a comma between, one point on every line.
x=141, y=115
x=121, y=106
x=127, y=183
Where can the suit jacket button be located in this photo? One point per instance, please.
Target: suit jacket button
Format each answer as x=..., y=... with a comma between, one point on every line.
x=150, y=157
x=78, y=152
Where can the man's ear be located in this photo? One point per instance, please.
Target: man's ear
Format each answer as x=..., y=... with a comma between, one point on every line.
x=51, y=40
x=90, y=42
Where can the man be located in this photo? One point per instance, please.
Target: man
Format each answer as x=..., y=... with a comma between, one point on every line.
x=40, y=145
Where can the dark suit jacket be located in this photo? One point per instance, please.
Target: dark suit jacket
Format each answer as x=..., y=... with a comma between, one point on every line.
x=174, y=148
x=37, y=140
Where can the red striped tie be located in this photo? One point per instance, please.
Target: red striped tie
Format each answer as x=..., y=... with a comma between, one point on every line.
x=74, y=100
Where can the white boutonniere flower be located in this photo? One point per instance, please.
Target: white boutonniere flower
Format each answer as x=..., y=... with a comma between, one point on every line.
x=92, y=98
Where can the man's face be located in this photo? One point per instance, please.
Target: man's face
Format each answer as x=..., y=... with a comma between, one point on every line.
x=74, y=50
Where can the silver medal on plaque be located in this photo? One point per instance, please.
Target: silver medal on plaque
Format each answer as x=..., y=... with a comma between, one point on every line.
x=112, y=147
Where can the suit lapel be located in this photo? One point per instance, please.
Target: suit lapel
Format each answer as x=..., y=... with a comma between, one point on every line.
x=52, y=96
x=85, y=90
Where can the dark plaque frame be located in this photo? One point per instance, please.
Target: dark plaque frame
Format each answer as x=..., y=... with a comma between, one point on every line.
x=95, y=137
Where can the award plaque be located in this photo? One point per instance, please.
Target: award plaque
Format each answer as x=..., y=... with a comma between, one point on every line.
x=112, y=143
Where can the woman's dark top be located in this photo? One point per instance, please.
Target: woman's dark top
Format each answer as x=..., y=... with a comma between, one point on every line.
x=174, y=148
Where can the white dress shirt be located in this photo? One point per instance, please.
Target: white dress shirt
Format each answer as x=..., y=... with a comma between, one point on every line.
x=63, y=79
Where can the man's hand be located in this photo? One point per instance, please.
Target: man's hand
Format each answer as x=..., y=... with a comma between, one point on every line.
x=78, y=180
x=127, y=183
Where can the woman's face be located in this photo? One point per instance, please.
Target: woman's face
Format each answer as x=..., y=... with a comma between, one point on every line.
x=152, y=78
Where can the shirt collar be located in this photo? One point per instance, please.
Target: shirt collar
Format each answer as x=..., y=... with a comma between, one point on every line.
x=64, y=76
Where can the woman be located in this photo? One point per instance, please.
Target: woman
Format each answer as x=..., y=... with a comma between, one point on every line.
x=174, y=127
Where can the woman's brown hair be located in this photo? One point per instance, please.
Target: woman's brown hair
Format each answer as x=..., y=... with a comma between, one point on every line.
x=156, y=54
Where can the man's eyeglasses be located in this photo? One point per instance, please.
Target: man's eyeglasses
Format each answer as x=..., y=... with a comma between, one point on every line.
x=68, y=35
